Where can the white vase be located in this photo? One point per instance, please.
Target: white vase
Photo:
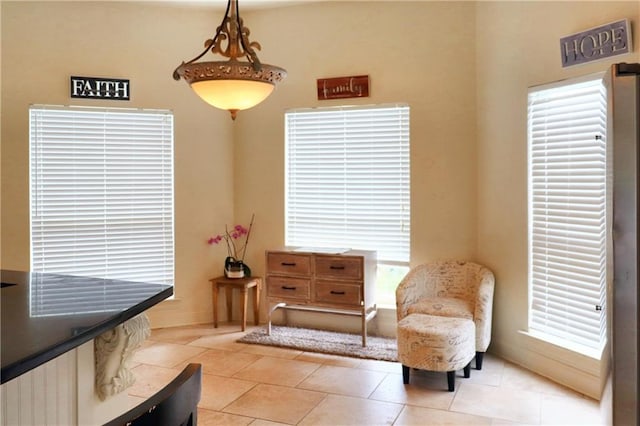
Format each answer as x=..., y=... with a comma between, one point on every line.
x=234, y=270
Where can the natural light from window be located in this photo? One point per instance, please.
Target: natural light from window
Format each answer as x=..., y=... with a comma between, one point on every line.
x=101, y=183
x=347, y=185
x=567, y=214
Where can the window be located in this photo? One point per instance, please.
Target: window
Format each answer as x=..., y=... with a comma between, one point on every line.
x=347, y=184
x=102, y=193
x=567, y=205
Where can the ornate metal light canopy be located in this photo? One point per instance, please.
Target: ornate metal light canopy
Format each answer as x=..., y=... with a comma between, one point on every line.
x=232, y=85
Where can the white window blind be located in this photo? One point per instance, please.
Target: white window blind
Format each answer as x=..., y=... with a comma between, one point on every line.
x=49, y=295
x=567, y=205
x=102, y=193
x=347, y=179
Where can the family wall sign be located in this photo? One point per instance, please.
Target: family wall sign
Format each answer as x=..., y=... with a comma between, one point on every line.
x=356, y=86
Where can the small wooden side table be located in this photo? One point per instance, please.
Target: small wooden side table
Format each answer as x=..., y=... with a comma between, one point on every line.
x=242, y=284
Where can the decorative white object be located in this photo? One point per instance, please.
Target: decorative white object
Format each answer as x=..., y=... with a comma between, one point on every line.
x=113, y=351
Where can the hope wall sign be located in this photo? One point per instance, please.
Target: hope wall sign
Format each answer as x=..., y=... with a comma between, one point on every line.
x=596, y=43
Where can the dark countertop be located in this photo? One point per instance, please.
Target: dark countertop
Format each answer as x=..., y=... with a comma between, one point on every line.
x=46, y=315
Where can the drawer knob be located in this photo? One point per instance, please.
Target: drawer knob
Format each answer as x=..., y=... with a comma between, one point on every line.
x=288, y=263
x=336, y=267
x=337, y=292
x=284, y=287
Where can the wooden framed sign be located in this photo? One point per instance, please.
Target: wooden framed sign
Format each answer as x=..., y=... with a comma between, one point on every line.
x=99, y=88
x=356, y=86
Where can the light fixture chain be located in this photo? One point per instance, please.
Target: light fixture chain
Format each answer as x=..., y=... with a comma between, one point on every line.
x=244, y=40
x=176, y=75
x=233, y=30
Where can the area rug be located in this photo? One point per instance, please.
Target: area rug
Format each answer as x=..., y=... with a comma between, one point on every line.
x=328, y=342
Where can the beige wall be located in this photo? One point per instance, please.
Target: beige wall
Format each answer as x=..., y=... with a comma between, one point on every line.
x=463, y=67
x=414, y=52
x=45, y=43
x=521, y=49
x=420, y=53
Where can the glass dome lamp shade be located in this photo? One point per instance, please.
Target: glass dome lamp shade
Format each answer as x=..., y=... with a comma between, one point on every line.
x=232, y=95
x=232, y=85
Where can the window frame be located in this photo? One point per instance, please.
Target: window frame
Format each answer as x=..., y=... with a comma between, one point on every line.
x=320, y=122
x=133, y=192
x=585, y=344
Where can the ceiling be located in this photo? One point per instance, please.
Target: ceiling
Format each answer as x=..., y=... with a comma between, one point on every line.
x=243, y=4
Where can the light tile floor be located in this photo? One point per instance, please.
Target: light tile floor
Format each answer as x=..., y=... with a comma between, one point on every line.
x=266, y=386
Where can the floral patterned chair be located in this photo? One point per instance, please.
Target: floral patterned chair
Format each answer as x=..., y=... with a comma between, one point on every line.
x=450, y=289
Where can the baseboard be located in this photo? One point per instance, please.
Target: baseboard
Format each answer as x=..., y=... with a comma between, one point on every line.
x=579, y=376
x=170, y=315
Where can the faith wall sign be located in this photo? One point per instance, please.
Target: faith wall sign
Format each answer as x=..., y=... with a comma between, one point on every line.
x=597, y=43
x=100, y=88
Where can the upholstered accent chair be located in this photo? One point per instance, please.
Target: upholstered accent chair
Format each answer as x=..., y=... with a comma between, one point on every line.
x=435, y=343
x=450, y=289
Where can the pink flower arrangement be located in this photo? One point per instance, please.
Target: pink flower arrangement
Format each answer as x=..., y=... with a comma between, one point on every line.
x=236, y=240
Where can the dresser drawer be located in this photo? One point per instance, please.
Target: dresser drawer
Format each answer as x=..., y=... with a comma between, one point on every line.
x=345, y=267
x=289, y=288
x=343, y=294
x=288, y=263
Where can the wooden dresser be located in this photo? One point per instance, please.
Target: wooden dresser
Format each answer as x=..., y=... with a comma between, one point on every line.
x=342, y=283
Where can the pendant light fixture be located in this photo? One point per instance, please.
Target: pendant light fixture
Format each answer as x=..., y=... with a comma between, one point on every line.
x=232, y=85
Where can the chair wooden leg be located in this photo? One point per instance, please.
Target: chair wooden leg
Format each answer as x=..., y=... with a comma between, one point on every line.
x=451, y=380
x=405, y=374
x=479, y=356
x=467, y=370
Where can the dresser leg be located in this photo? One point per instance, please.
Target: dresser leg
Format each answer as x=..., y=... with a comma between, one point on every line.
x=364, y=327
x=271, y=310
